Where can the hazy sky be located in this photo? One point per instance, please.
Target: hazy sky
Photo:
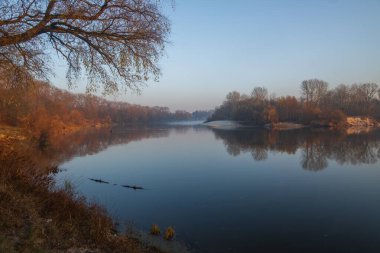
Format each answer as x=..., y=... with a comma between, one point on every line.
x=220, y=46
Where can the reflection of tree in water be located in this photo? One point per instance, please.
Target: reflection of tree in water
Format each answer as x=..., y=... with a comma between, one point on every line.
x=233, y=150
x=317, y=146
x=359, y=149
x=313, y=157
x=63, y=148
x=256, y=141
x=259, y=154
x=237, y=142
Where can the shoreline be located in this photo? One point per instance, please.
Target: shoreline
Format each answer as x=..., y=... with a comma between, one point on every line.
x=57, y=220
x=36, y=216
x=352, y=124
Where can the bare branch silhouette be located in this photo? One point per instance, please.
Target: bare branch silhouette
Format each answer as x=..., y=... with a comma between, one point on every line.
x=114, y=42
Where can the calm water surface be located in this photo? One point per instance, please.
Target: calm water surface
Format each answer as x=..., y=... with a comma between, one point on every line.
x=247, y=190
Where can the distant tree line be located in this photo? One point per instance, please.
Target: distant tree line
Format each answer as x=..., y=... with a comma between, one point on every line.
x=317, y=105
x=42, y=107
x=201, y=114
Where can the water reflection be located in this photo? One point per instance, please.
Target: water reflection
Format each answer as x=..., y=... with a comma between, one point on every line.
x=317, y=146
x=218, y=203
x=64, y=147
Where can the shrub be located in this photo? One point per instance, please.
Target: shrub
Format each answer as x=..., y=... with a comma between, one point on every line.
x=169, y=233
x=155, y=230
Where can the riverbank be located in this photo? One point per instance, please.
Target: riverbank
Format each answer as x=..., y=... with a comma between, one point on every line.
x=351, y=124
x=35, y=216
x=229, y=124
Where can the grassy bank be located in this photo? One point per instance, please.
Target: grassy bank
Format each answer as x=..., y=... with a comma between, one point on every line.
x=36, y=217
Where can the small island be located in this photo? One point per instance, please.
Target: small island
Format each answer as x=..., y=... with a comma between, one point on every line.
x=355, y=106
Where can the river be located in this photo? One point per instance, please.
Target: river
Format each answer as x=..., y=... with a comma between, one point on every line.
x=236, y=190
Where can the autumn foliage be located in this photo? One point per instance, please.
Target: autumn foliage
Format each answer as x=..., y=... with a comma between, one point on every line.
x=317, y=106
x=41, y=107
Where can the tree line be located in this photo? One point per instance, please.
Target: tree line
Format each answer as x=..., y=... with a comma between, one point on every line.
x=317, y=104
x=42, y=107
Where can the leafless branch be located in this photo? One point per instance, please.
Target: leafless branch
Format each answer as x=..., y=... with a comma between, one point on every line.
x=111, y=41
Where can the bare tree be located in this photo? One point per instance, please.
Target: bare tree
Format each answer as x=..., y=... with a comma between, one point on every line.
x=259, y=94
x=369, y=91
x=307, y=91
x=233, y=97
x=313, y=90
x=341, y=97
x=114, y=42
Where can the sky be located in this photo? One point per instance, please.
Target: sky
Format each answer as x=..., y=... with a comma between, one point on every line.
x=217, y=46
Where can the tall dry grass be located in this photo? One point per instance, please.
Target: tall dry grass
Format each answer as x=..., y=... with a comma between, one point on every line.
x=37, y=217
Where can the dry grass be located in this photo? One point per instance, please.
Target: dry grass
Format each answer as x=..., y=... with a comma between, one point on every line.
x=169, y=233
x=34, y=217
x=155, y=230
x=11, y=133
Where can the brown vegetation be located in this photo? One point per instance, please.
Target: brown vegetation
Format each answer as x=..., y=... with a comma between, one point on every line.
x=43, y=109
x=155, y=230
x=36, y=217
x=361, y=122
x=116, y=43
x=169, y=233
x=318, y=106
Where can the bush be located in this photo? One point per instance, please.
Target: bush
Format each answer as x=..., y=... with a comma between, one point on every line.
x=169, y=233
x=155, y=230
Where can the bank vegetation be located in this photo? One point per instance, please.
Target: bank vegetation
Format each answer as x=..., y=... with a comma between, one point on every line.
x=317, y=106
